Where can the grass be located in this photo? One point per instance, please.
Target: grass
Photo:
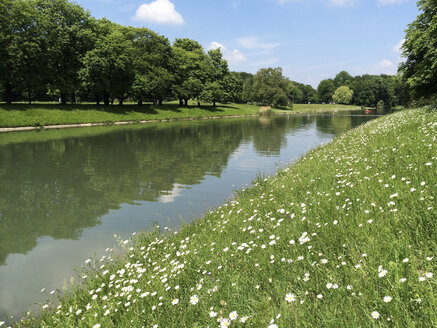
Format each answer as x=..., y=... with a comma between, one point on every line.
x=19, y=115
x=317, y=108
x=345, y=237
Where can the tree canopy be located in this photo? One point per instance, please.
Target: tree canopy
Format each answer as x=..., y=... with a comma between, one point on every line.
x=419, y=49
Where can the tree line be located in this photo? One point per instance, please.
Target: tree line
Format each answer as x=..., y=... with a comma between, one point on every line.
x=54, y=49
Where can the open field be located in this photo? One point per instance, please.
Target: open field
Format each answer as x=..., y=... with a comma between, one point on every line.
x=318, y=108
x=345, y=237
x=20, y=115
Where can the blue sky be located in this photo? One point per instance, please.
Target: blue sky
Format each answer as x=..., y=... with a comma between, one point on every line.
x=310, y=39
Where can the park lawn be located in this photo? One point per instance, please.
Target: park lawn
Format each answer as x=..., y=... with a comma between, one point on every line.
x=20, y=115
x=345, y=237
x=322, y=108
x=55, y=114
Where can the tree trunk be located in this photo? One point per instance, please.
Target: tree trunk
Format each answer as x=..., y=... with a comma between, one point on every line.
x=29, y=96
x=8, y=93
x=198, y=104
x=120, y=102
x=213, y=103
x=140, y=102
x=63, y=98
x=106, y=98
x=186, y=102
x=73, y=98
x=159, y=102
x=181, y=102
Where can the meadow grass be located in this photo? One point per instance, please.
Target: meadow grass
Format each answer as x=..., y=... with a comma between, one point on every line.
x=42, y=114
x=322, y=108
x=345, y=237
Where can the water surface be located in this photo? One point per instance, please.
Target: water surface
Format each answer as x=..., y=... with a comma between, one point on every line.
x=65, y=193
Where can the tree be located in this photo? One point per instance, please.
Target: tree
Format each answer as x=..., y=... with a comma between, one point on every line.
x=342, y=79
x=343, y=95
x=152, y=60
x=270, y=87
x=325, y=90
x=108, y=68
x=68, y=35
x=419, y=49
x=191, y=69
x=295, y=94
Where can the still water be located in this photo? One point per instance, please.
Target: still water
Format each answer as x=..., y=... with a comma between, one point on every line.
x=65, y=193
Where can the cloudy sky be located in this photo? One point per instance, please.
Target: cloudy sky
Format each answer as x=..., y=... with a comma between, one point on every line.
x=310, y=39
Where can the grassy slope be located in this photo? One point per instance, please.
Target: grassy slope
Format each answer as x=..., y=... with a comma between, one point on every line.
x=53, y=114
x=334, y=229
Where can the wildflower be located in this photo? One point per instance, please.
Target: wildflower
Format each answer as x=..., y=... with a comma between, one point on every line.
x=175, y=301
x=375, y=315
x=225, y=323
x=290, y=298
x=97, y=325
x=324, y=261
x=194, y=299
x=212, y=314
x=320, y=296
x=243, y=319
x=422, y=278
x=406, y=260
x=387, y=299
x=78, y=312
x=402, y=280
x=429, y=275
x=233, y=315
x=329, y=285
x=273, y=326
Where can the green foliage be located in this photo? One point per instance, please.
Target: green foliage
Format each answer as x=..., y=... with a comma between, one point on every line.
x=343, y=79
x=270, y=87
x=343, y=95
x=108, y=68
x=419, y=49
x=325, y=90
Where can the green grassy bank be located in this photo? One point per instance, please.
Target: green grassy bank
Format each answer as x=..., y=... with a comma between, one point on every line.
x=345, y=237
x=20, y=115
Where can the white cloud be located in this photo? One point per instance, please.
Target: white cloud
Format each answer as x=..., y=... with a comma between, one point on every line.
x=160, y=12
x=398, y=46
x=385, y=63
x=235, y=57
x=215, y=45
x=390, y=2
x=253, y=42
x=170, y=196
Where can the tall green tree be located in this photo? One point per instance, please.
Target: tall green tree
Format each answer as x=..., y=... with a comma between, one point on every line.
x=270, y=87
x=343, y=95
x=68, y=36
x=152, y=60
x=325, y=90
x=191, y=70
x=108, y=69
x=419, y=49
x=342, y=79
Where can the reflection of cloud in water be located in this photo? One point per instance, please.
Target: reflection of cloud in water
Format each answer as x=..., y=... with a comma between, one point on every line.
x=171, y=195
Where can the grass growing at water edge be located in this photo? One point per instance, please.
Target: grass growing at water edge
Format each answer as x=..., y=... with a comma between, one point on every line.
x=344, y=237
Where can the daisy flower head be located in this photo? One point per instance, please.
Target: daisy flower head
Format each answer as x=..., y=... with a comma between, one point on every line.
x=233, y=315
x=387, y=299
x=194, y=299
x=375, y=315
x=175, y=301
x=290, y=298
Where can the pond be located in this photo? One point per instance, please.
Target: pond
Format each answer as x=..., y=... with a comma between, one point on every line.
x=65, y=193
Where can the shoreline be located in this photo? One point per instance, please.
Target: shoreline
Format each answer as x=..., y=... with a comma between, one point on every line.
x=86, y=125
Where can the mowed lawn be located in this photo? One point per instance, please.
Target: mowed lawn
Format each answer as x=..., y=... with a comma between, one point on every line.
x=19, y=115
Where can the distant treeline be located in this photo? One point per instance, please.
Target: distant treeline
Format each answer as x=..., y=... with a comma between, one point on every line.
x=55, y=50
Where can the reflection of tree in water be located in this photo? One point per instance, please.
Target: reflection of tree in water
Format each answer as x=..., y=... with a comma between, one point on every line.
x=61, y=186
